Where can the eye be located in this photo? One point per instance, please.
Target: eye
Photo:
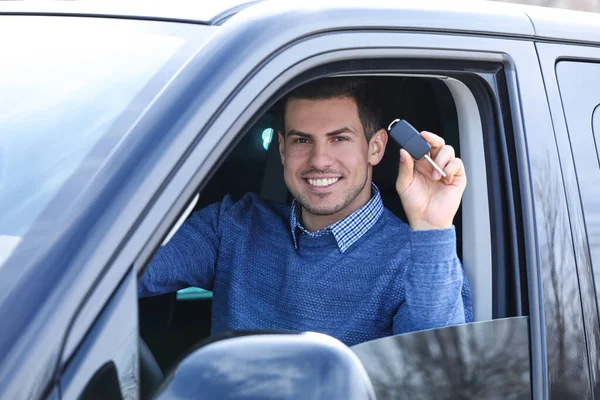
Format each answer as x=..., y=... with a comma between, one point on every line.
x=340, y=139
x=300, y=140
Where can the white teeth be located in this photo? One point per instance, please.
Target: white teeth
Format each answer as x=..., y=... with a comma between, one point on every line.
x=323, y=182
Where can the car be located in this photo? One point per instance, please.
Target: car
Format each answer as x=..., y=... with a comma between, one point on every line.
x=119, y=120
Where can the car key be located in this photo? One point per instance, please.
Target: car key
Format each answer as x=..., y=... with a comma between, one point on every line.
x=410, y=140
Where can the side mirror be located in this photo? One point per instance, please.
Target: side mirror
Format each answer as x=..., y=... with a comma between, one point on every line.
x=270, y=366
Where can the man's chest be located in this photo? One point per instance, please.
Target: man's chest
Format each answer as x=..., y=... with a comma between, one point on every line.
x=327, y=287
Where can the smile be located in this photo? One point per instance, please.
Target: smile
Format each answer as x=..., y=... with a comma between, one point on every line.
x=322, y=182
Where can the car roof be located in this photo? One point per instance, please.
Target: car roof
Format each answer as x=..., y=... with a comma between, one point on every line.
x=489, y=17
x=174, y=10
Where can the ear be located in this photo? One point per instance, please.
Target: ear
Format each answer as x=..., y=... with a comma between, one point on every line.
x=377, y=146
x=281, y=146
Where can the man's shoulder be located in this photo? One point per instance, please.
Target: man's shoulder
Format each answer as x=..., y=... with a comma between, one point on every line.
x=252, y=205
x=389, y=235
x=390, y=222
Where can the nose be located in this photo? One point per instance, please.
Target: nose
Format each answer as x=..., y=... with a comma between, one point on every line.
x=320, y=156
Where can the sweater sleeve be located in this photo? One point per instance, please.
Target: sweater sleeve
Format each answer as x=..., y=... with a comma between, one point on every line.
x=436, y=290
x=189, y=258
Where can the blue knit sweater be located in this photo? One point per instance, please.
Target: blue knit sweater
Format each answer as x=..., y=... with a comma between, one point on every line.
x=392, y=280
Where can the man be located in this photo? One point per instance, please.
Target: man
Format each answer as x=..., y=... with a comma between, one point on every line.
x=336, y=262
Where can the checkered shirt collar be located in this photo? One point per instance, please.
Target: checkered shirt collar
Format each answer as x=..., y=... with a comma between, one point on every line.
x=347, y=230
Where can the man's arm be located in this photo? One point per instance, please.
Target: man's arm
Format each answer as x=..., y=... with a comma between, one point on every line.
x=435, y=288
x=189, y=258
x=436, y=291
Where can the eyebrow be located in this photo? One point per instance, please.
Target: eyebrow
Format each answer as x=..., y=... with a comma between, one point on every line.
x=332, y=133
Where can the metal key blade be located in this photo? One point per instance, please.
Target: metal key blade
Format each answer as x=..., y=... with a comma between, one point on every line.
x=434, y=165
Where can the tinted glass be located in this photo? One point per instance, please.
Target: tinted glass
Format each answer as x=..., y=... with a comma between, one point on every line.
x=64, y=84
x=482, y=360
x=580, y=92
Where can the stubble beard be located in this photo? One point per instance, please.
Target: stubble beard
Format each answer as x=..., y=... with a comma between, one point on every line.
x=348, y=197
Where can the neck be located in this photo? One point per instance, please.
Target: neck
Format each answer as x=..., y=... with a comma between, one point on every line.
x=312, y=222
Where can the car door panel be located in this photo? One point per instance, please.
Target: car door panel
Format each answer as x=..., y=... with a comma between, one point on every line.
x=106, y=362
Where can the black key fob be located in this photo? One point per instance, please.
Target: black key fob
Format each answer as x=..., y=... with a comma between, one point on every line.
x=408, y=138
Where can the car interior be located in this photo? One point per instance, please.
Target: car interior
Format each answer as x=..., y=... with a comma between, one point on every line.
x=172, y=324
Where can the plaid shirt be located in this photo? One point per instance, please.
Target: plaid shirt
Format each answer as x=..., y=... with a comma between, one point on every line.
x=347, y=230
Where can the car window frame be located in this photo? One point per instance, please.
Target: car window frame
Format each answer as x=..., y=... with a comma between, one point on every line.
x=242, y=110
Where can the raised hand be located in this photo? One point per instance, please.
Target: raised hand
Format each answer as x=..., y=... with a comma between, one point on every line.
x=429, y=200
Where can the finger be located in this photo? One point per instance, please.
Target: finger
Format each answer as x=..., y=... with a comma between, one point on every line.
x=453, y=170
x=444, y=156
x=436, y=142
x=406, y=172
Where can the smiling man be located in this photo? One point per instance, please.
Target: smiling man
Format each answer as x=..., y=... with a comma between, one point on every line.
x=336, y=261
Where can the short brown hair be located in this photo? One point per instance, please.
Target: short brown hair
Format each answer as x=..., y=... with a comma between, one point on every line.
x=329, y=88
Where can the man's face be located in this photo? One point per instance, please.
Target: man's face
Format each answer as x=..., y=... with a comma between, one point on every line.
x=326, y=158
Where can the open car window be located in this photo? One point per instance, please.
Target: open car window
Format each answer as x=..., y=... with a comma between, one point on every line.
x=254, y=165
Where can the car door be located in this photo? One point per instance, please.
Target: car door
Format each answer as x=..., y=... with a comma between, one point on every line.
x=529, y=215
x=571, y=75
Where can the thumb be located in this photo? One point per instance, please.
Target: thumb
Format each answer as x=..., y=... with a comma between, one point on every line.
x=406, y=173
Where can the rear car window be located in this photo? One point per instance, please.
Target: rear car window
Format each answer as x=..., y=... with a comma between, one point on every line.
x=580, y=93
